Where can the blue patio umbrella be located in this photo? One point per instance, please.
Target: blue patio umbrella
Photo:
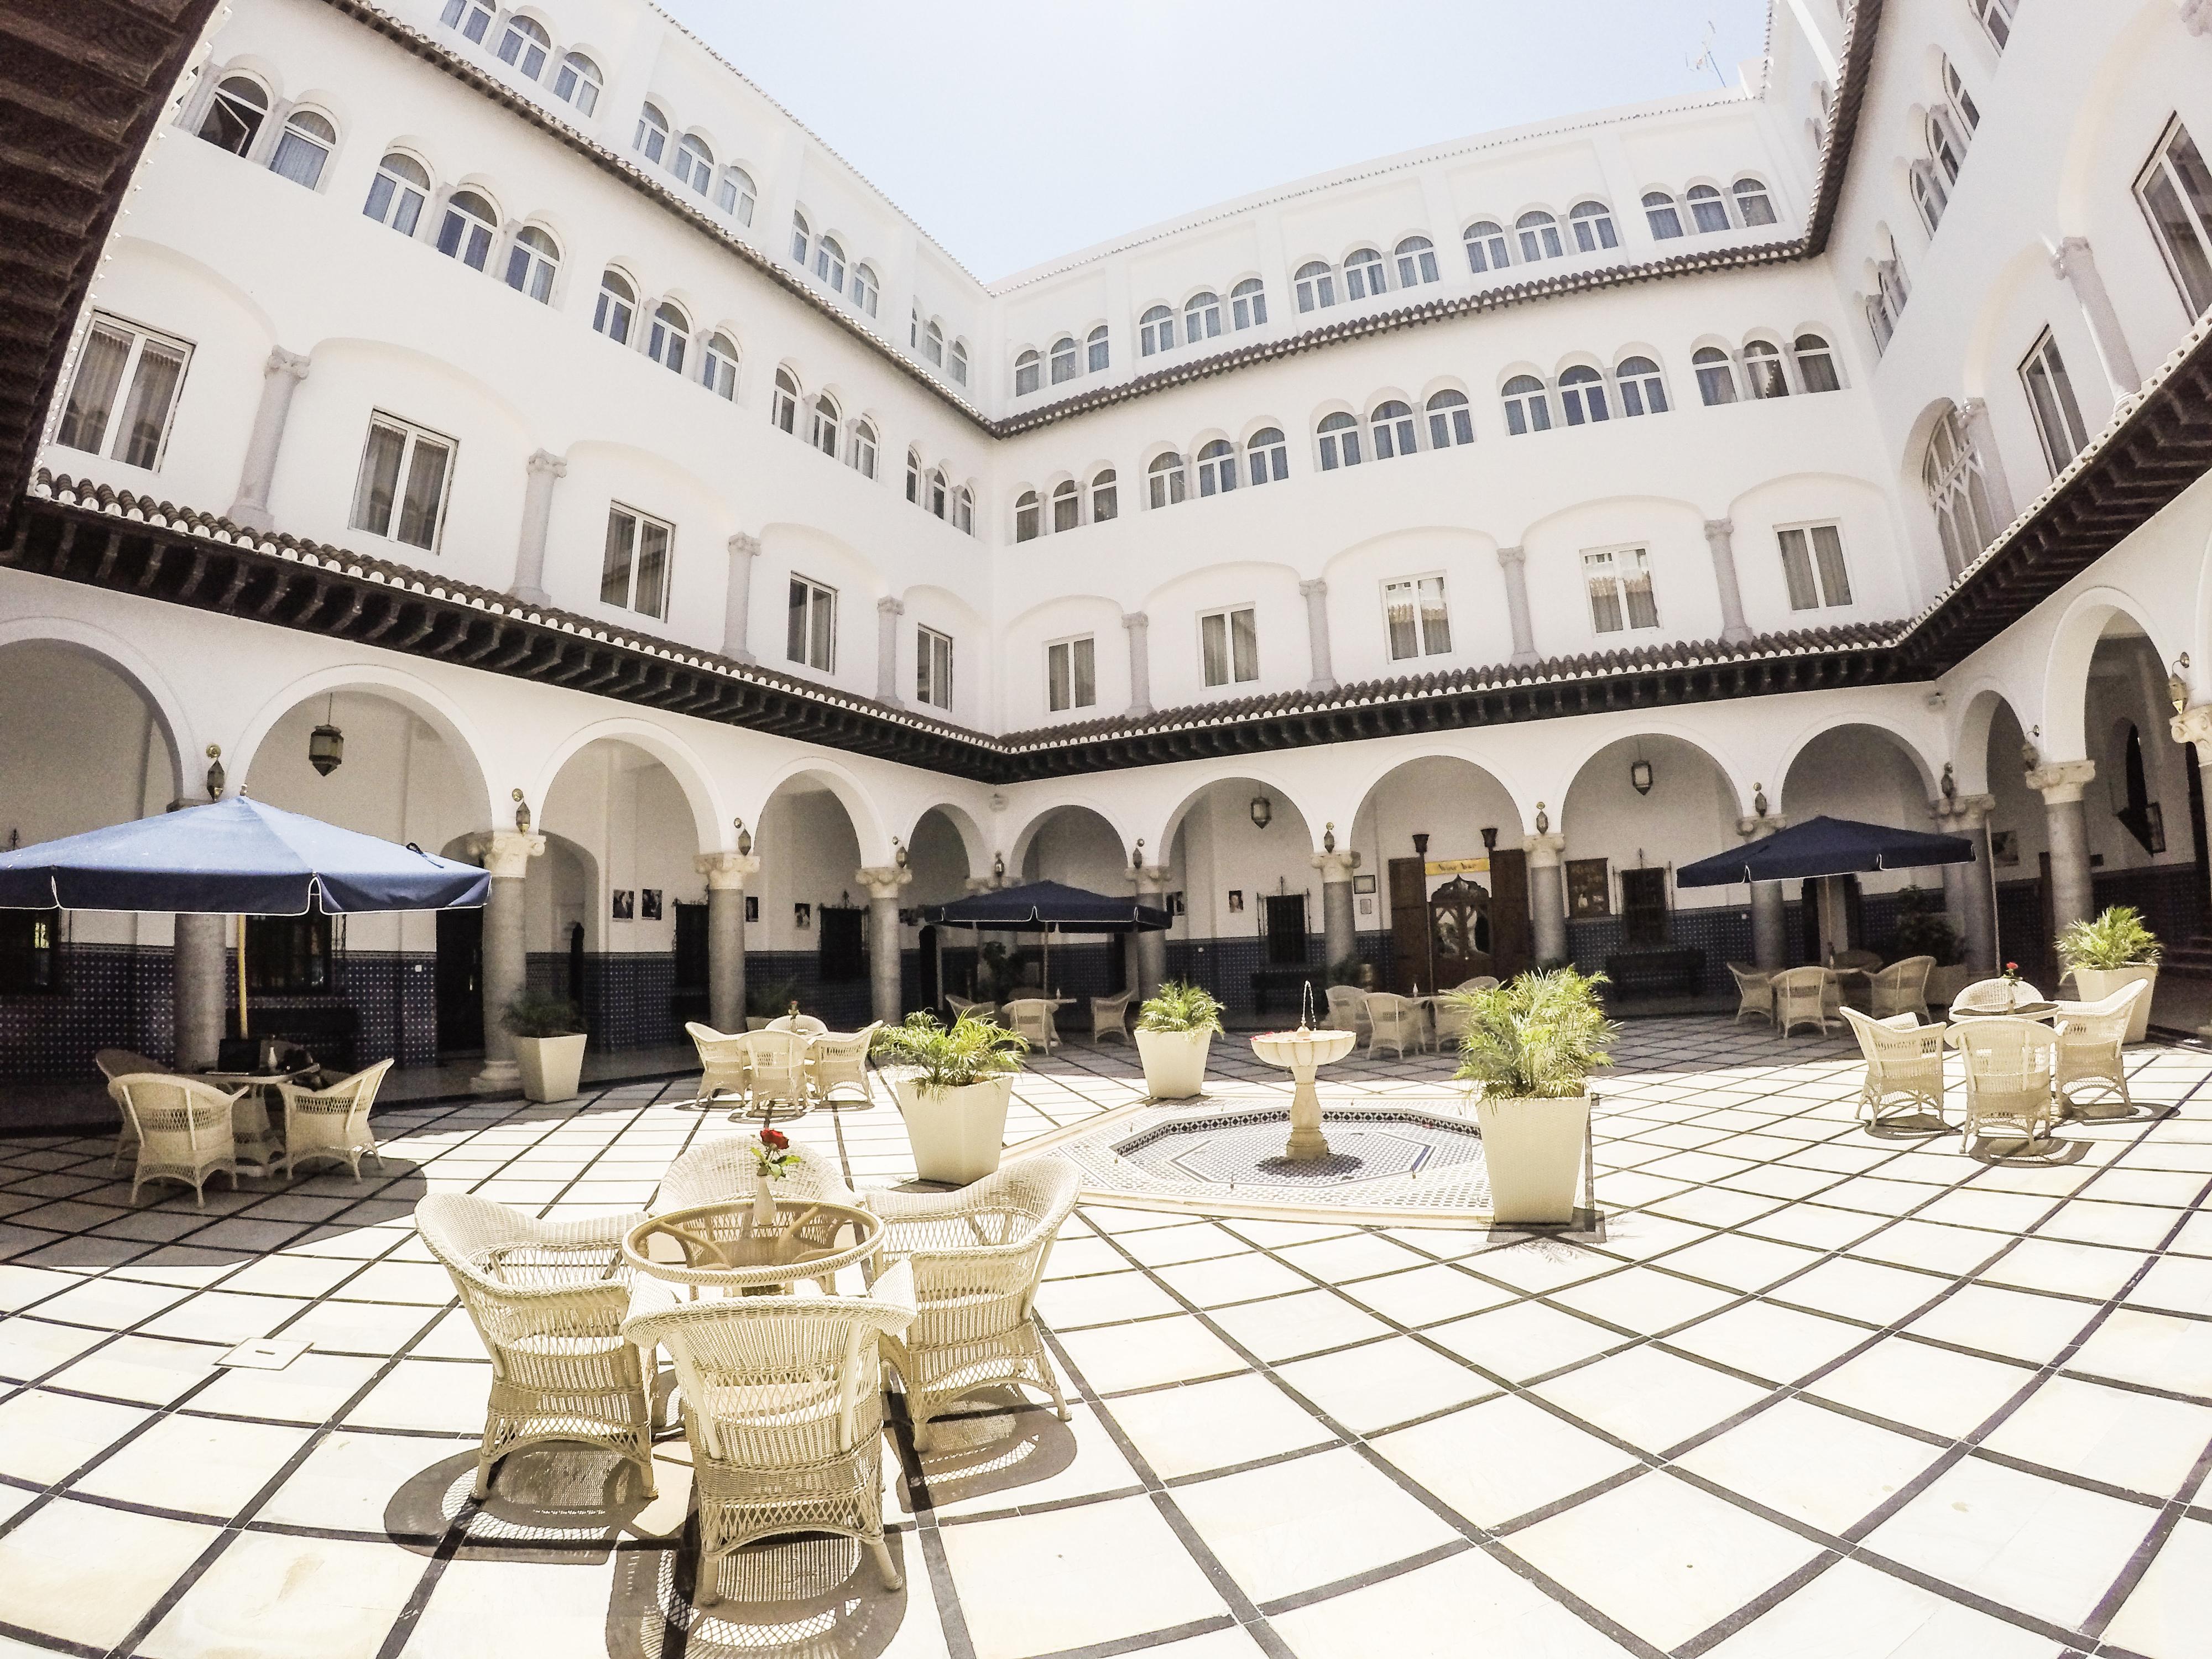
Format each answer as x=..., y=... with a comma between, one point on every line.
x=1046, y=907
x=1825, y=847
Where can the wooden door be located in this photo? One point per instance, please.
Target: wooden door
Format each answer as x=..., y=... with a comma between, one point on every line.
x=1459, y=924
x=1409, y=925
x=1643, y=907
x=1512, y=939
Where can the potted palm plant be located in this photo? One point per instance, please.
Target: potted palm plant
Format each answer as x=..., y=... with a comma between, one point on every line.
x=951, y=1086
x=2109, y=952
x=548, y=1044
x=1529, y=1047
x=1175, y=1031
x=769, y=998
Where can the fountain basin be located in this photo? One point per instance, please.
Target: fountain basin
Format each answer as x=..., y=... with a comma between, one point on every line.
x=1300, y=1052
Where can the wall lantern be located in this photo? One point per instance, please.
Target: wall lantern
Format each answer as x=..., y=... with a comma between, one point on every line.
x=998, y=865
x=2177, y=683
x=326, y=743
x=521, y=814
x=898, y=853
x=1758, y=799
x=745, y=838
x=1490, y=838
x=1421, y=845
x=214, y=771
x=1328, y=837
x=1639, y=775
x=1263, y=810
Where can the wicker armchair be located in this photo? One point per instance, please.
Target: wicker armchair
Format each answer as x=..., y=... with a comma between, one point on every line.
x=1995, y=996
x=838, y=1060
x=115, y=1063
x=2090, y=1038
x=804, y=1024
x=1800, y=997
x=2010, y=1063
x=1479, y=983
x=725, y=1064
x=1904, y=1065
x=719, y=1172
x=1901, y=988
x=1031, y=1017
x=1394, y=1022
x=977, y=1257
x=776, y=1073
x=1347, y=1009
x=961, y=1007
x=330, y=1124
x=783, y=1405
x=549, y=1299
x=1754, y=993
x=1109, y=1017
x=182, y=1126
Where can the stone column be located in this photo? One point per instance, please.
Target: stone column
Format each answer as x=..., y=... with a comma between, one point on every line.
x=1547, y=896
x=198, y=988
x=2060, y=783
x=1140, y=663
x=280, y=378
x=726, y=874
x=1338, y=937
x=888, y=611
x=1720, y=539
x=507, y=854
x=1317, y=597
x=1769, y=919
x=1514, y=562
x=883, y=881
x=1977, y=904
x=737, y=605
x=2078, y=266
x=1994, y=484
x=1152, y=881
x=529, y=584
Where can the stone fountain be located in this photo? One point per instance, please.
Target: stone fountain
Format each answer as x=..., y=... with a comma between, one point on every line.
x=1301, y=1053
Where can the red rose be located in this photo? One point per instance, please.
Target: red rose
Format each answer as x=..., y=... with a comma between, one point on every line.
x=774, y=1139
x=2012, y=967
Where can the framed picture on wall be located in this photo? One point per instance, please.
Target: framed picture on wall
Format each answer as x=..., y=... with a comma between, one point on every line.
x=2005, y=847
x=1588, y=891
x=1175, y=904
x=752, y=907
x=1364, y=884
x=1366, y=905
x=802, y=916
x=625, y=905
x=1237, y=901
x=910, y=917
x=649, y=904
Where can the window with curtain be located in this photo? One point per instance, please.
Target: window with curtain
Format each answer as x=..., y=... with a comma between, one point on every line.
x=1527, y=409
x=1362, y=275
x=1816, y=363
x=1063, y=359
x=634, y=574
x=1415, y=618
x=234, y=114
x=525, y=45
x=1267, y=457
x=1392, y=425
x=617, y=308
x=802, y=240
x=811, y=625
x=1338, y=437
x=2050, y=399
x=471, y=17
x=1097, y=354
x=1164, y=479
x=1592, y=224
x=466, y=232
x=959, y=362
x=124, y=394
x=1105, y=497
x=828, y=422
x=1027, y=373
x=306, y=146
x=1708, y=212
x=1643, y=391
x=1715, y=375
x=694, y=164
x=1812, y=566
x=532, y=263
x=1229, y=646
x=941, y=492
x=1620, y=597
x=1070, y=673
x=2175, y=192
x=1417, y=261
x=401, y=491
x=1066, y=506
x=1451, y=419
x=829, y=264
x=860, y=451
x=650, y=140
x=1486, y=246
x=1248, y=303
x=396, y=195
x=1216, y=468
x=964, y=510
x=1201, y=318
x=1028, y=516
x=577, y=82
x=932, y=344
x=1582, y=395
x=1951, y=475
x=670, y=337
x=783, y=403
x=1316, y=284
x=933, y=668
x=720, y=373
x=866, y=288
x=914, y=475
x=1762, y=369
x=1661, y=215
x=1753, y=203
x=737, y=195
x=1996, y=19
x=1155, y=331
x=1540, y=237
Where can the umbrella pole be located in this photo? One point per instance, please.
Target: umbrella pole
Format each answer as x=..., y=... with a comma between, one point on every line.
x=242, y=1031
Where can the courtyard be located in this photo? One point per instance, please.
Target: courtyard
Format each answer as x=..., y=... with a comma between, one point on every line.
x=1807, y=1389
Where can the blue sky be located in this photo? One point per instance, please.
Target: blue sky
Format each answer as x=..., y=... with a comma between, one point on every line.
x=1017, y=130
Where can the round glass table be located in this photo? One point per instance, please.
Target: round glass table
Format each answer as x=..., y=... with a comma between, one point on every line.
x=718, y=1247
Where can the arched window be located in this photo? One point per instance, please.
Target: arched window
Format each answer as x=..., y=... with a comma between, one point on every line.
x=914, y=475
x=617, y=308
x=694, y=163
x=471, y=17
x=720, y=373
x=1392, y=424
x=1715, y=375
x=1527, y=409
x=1363, y=274
x=1248, y=304
x=1201, y=318
x=866, y=288
x=1708, y=212
x=1164, y=479
x=1066, y=506
x=1451, y=419
x=307, y=143
x=827, y=422
x=1753, y=204
x=1929, y=198
x=1582, y=395
x=1641, y=390
x=396, y=195
x=964, y=510
x=941, y=492
x=860, y=450
x=531, y=263
x=1879, y=324
x=1486, y=246
x=471, y=223
x=1028, y=372
x=1951, y=473
x=1593, y=226
x=1268, y=458
x=829, y=264
x=1317, y=286
x=737, y=195
x=1945, y=146
x=651, y=140
x=1996, y=19
x=1540, y=236
x=1105, y=496
x=234, y=116
x=932, y=344
x=525, y=45
x=960, y=363
x=669, y=337
x=1762, y=369
x=1660, y=213
x=1096, y=354
x=1337, y=439
x=1417, y=261
x=1216, y=468
x=802, y=240
x=783, y=406
x=577, y=82
x=1816, y=366
x=1063, y=359
x=1155, y=331
x=1962, y=102
x=1028, y=517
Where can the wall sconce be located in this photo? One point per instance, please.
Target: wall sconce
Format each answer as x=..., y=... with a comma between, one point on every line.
x=521, y=814
x=214, y=771
x=1950, y=784
x=898, y=853
x=326, y=743
x=2029, y=755
x=1490, y=838
x=2177, y=683
x=1137, y=854
x=744, y=837
x=1421, y=845
x=998, y=865
x=1263, y=810
x=1639, y=775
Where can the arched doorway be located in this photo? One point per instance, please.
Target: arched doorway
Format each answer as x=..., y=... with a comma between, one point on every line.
x=1864, y=773
x=1441, y=892
x=806, y=937
x=939, y=856
x=1074, y=845
x=1245, y=895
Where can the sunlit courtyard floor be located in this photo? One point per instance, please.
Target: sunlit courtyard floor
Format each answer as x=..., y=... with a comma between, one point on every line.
x=1813, y=1391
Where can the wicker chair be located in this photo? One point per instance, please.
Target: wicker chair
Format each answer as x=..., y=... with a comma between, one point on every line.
x=1995, y=996
x=775, y=1070
x=1394, y=1022
x=961, y=1007
x=1031, y=1017
x=1754, y=993
x=182, y=1126
x=721, y=1171
x=977, y=1257
x=1904, y=1065
x=837, y=1060
x=1450, y=1023
x=1347, y=1009
x=1479, y=983
x=1109, y=1017
x=783, y=1405
x=2010, y=1063
x=2090, y=1038
x=725, y=1063
x=1901, y=988
x=1866, y=962
x=330, y=1124
x=549, y=1299
x=804, y=1024
x=1800, y=997
x=115, y=1063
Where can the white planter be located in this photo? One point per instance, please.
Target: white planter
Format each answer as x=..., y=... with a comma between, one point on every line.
x=2096, y=984
x=552, y=1067
x=1174, y=1062
x=1534, y=1151
x=956, y=1133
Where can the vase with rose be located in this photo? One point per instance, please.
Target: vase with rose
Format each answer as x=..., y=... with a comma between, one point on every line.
x=773, y=1159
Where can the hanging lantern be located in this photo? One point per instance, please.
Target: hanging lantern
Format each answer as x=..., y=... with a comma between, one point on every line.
x=1759, y=800
x=998, y=865
x=1543, y=820
x=521, y=813
x=2177, y=688
x=326, y=743
x=1329, y=838
x=745, y=838
x=898, y=853
x=1950, y=784
x=1263, y=810
x=215, y=779
x=1639, y=775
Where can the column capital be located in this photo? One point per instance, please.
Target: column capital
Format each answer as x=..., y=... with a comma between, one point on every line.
x=1513, y=558
x=2071, y=258
x=1314, y=586
x=505, y=853
x=882, y=881
x=1150, y=877
x=544, y=460
x=1968, y=810
x=1543, y=850
x=744, y=545
x=2193, y=723
x=1719, y=529
x=888, y=606
x=1974, y=409
x=726, y=869
x=2060, y=781
x=1759, y=828
x=982, y=884
x=1134, y=620
x=2196, y=16
x=281, y=362
x=1336, y=866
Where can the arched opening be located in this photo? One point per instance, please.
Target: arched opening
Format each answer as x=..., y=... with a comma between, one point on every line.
x=938, y=854
x=1867, y=774
x=1441, y=892
x=1245, y=895
x=806, y=936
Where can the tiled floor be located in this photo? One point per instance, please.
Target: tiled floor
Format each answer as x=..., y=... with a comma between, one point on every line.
x=1816, y=1392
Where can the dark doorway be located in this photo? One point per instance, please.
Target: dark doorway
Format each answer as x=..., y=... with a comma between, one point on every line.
x=688, y=1001
x=841, y=955
x=1409, y=924
x=576, y=964
x=932, y=991
x=1643, y=905
x=460, y=981
x=1512, y=941
x=1286, y=930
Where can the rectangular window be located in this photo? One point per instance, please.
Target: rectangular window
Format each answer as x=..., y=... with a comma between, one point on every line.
x=401, y=492
x=635, y=573
x=1228, y=640
x=2050, y=398
x=289, y=955
x=1414, y=614
x=125, y=393
x=30, y=953
x=1070, y=673
x=811, y=637
x=2175, y=192
x=1621, y=593
x=933, y=668
x=1812, y=566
